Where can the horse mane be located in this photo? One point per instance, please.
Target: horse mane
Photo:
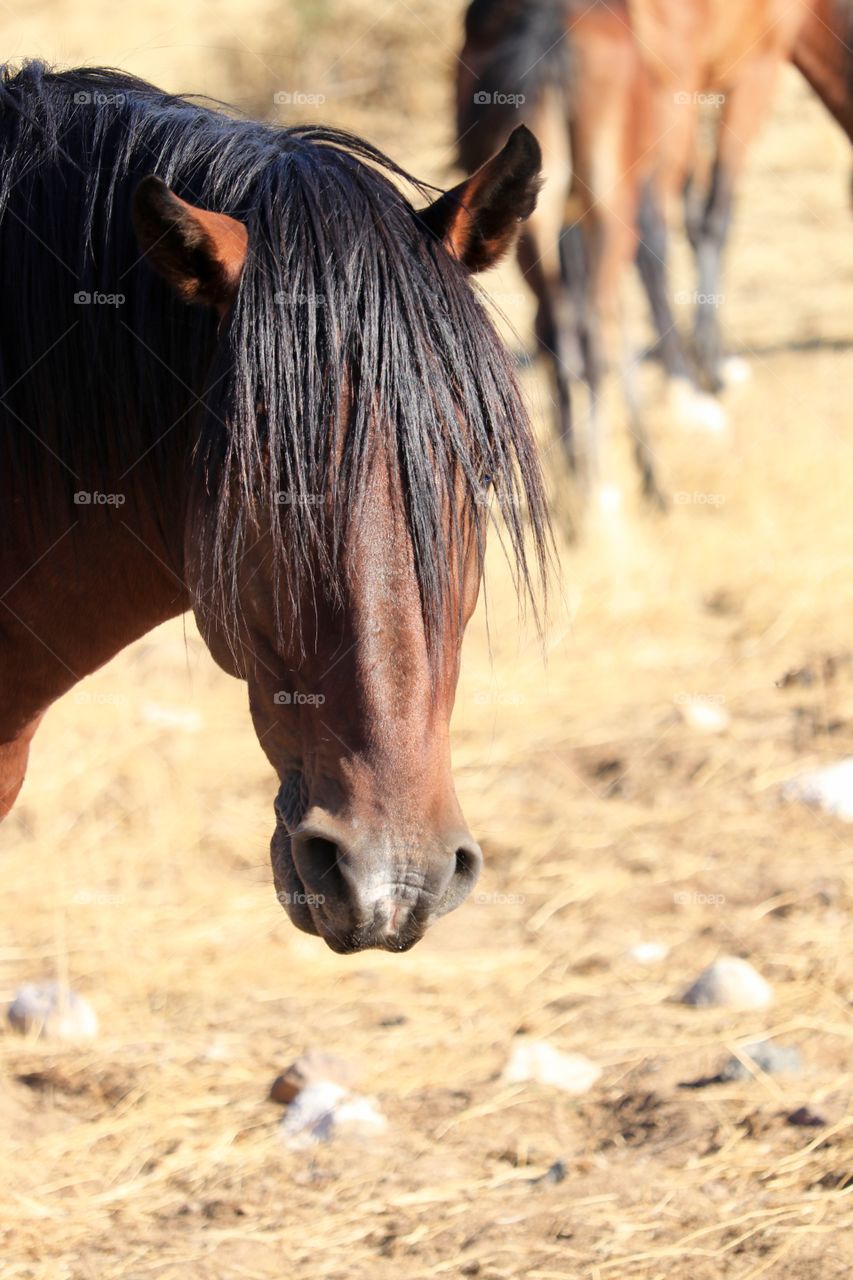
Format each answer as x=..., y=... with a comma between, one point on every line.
x=347, y=311
x=526, y=51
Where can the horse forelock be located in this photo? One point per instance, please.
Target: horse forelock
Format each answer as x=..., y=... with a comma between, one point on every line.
x=341, y=289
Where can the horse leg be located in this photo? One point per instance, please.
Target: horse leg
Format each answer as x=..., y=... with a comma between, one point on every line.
x=13, y=766
x=539, y=260
x=609, y=165
x=610, y=252
x=643, y=452
x=744, y=111
x=652, y=266
x=612, y=244
x=553, y=333
x=574, y=268
x=709, y=246
x=690, y=405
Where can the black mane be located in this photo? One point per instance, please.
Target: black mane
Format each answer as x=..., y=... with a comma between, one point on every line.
x=345, y=307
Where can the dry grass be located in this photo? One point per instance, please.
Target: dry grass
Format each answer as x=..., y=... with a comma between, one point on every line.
x=136, y=859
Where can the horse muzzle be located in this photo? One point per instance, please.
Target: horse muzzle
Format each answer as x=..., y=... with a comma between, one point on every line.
x=377, y=891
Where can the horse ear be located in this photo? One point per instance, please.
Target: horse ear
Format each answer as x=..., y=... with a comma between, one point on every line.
x=200, y=254
x=478, y=220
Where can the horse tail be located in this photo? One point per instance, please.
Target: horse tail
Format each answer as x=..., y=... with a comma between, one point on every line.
x=514, y=50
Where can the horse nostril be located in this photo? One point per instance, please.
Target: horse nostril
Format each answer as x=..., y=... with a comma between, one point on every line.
x=321, y=853
x=469, y=862
x=318, y=864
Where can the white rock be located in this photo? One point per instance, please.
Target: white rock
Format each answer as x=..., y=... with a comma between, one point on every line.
x=323, y=1111
x=49, y=1010
x=538, y=1060
x=648, y=952
x=732, y=983
x=217, y=1051
x=829, y=789
x=707, y=717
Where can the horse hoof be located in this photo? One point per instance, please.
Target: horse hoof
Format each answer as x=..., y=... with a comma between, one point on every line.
x=697, y=410
x=735, y=371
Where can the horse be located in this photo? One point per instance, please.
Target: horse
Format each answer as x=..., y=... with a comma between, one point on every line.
x=243, y=374
x=571, y=70
x=738, y=68
x=823, y=54
x=614, y=91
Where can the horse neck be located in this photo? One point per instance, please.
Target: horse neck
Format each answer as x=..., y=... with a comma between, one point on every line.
x=822, y=54
x=96, y=580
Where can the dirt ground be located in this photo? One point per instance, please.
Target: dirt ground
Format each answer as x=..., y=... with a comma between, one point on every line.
x=136, y=863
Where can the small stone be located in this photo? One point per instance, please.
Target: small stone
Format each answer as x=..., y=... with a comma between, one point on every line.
x=805, y=1118
x=217, y=1051
x=706, y=716
x=829, y=789
x=730, y=983
x=316, y=1066
x=49, y=1010
x=324, y=1111
x=558, y=1172
x=540, y=1061
x=767, y=1056
x=648, y=952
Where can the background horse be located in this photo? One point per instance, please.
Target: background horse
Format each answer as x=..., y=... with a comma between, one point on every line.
x=736, y=67
x=300, y=456
x=615, y=91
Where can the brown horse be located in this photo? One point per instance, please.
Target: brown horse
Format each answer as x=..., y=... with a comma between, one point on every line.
x=823, y=52
x=242, y=374
x=740, y=68
x=615, y=91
